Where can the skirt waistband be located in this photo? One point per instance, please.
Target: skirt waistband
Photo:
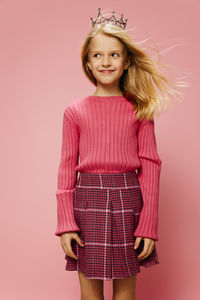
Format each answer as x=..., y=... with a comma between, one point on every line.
x=124, y=180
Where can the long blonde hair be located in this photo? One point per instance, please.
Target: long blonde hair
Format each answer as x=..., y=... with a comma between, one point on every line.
x=136, y=83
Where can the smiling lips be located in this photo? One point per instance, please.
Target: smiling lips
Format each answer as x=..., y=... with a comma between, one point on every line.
x=106, y=71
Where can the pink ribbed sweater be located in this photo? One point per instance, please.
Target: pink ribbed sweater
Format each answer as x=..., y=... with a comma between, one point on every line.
x=101, y=134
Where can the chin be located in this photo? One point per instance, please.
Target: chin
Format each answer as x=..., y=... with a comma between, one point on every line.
x=106, y=83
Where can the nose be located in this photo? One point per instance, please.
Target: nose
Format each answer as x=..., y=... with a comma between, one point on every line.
x=106, y=61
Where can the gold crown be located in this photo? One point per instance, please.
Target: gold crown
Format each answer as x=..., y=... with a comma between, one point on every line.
x=100, y=19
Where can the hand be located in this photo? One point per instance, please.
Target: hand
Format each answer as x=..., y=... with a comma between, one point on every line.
x=148, y=246
x=66, y=242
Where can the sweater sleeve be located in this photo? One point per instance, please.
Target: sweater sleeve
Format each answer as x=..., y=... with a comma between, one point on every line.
x=149, y=178
x=67, y=176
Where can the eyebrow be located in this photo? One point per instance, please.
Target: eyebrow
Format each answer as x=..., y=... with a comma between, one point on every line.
x=110, y=51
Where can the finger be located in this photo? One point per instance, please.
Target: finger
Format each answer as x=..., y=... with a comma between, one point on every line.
x=142, y=254
x=145, y=249
x=137, y=242
x=152, y=248
x=148, y=253
x=149, y=250
x=79, y=241
x=64, y=246
x=72, y=255
x=70, y=251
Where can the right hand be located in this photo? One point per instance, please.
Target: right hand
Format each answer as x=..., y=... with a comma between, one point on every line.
x=65, y=240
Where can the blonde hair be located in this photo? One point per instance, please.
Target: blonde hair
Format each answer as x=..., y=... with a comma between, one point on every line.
x=137, y=82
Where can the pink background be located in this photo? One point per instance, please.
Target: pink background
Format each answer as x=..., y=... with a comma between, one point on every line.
x=40, y=71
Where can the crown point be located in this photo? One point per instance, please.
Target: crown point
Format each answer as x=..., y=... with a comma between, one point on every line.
x=100, y=19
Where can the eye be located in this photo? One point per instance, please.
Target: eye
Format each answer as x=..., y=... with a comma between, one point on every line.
x=95, y=55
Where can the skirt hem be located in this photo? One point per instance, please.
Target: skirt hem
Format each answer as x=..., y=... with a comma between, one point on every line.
x=113, y=277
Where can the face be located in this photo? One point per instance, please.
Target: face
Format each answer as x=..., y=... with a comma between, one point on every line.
x=106, y=59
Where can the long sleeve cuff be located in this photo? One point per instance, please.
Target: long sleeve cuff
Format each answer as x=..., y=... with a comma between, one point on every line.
x=67, y=175
x=65, y=212
x=149, y=177
x=149, y=183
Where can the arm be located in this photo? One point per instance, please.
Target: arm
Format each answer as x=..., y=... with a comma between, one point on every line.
x=149, y=177
x=67, y=176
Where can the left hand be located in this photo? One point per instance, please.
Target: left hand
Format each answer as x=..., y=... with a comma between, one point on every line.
x=148, y=246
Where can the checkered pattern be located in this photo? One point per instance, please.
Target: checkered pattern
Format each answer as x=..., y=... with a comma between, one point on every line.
x=107, y=209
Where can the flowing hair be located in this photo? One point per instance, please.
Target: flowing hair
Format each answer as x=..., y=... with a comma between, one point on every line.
x=142, y=83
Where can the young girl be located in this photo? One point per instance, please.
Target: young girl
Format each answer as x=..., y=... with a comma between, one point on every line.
x=109, y=172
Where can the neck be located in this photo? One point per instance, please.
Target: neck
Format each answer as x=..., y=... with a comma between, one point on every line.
x=108, y=91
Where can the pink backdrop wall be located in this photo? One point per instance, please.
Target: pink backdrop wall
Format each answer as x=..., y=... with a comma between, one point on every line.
x=40, y=73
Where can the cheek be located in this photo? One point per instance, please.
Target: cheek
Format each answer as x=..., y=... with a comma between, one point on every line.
x=95, y=64
x=118, y=63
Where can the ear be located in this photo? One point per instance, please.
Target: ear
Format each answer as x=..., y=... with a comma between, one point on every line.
x=89, y=65
x=127, y=63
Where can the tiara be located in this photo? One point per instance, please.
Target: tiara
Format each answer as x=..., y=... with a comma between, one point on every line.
x=100, y=19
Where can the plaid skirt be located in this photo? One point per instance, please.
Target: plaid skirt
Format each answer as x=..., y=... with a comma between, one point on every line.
x=107, y=208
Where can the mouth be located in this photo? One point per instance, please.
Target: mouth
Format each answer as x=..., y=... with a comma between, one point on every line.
x=106, y=71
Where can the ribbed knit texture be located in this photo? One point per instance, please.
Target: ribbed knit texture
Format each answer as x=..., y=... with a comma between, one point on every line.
x=101, y=134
